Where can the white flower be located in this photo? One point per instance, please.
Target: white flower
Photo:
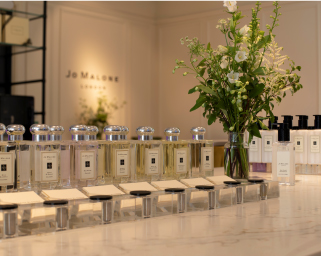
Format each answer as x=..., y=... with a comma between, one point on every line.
x=232, y=77
x=222, y=21
x=224, y=62
x=240, y=56
x=244, y=30
x=222, y=49
x=231, y=5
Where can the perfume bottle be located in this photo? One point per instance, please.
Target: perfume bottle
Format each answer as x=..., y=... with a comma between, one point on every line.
x=117, y=156
x=202, y=154
x=147, y=156
x=255, y=154
x=268, y=138
x=177, y=164
x=283, y=159
x=55, y=136
x=288, y=119
x=8, y=156
x=15, y=135
x=300, y=139
x=124, y=132
x=314, y=152
x=84, y=155
x=44, y=159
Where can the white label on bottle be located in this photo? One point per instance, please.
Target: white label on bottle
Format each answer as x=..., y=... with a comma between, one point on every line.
x=315, y=144
x=49, y=166
x=7, y=168
x=122, y=162
x=298, y=144
x=88, y=165
x=207, y=158
x=254, y=144
x=151, y=161
x=283, y=164
x=181, y=160
x=268, y=139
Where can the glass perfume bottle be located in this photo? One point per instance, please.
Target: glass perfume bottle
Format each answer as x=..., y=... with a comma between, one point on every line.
x=124, y=132
x=15, y=135
x=176, y=162
x=283, y=159
x=117, y=156
x=202, y=154
x=314, y=152
x=147, y=155
x=255, y=154
x=300, y=139
x=55, y=136
x=44, y=159
x=8, y=156
x=268, y=138
x=83, y=160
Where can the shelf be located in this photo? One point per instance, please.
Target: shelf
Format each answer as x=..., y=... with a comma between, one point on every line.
x=32, y=16
x=20, y=45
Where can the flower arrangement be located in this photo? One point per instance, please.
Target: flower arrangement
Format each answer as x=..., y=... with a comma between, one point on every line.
x=243, y=79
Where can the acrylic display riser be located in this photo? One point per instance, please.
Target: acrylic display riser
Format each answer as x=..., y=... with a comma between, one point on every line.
x=60, y=215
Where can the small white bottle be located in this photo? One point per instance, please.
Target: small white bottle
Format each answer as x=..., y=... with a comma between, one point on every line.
x=314, y=152
x=268, y=138
x=300, y=139
x=283, y=158
x=255, y=154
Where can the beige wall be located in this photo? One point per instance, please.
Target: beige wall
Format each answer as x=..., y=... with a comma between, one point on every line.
x=139, y=42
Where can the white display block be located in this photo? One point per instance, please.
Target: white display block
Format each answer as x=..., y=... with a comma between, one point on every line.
x=219, y=180
x=127, y=187
x=16, y=31
x=162, y=185
x=63, y=194
x=109, y=190
x=29, y=197
x=196, y=182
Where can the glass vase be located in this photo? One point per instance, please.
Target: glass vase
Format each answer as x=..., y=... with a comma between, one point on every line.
x=236, y=156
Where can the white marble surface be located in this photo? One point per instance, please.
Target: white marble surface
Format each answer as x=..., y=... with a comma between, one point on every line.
x=290, y=225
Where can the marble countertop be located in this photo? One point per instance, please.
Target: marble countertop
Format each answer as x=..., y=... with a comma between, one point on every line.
x=290, y=225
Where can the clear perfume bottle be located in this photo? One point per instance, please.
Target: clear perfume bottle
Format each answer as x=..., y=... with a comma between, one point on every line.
x=147, y=155
x=283, y=159
x=83, y=158
x=314, y=152
x=202, y=154
x=300, y=139
x=15, y=135
x=176, y=162
x=117, y=156
x=44, y=159
x=124, y=132
x=255, y=154
x=8, y=156
x=268, y=138
x=55, y=136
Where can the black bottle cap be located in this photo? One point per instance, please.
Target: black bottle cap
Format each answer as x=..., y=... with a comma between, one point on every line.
x=288, y=119
x=101, y=197
x=272, y=126
x=317, y=121
x=255, y=180
x=310, y=127
x=232, y=182
x=204, y=187
x=303, y=122
x=55, y=202
x=5, y=206
x=283, y=132
x=295, y=128
x=140, y=193
x=174, y=190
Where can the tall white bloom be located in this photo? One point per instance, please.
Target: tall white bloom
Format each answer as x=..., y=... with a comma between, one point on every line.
x=231, y=5
x=224, y=62
x=244, y=30
x=240, y=56
x=232, y=77
x=222, y=49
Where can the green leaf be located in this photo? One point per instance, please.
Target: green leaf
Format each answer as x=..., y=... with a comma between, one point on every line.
x=254, y=130
x=209, y=46
x=262, y=43
x=263, y=125
x=229, y=35
x=211, y=119
x=207, y=90
x=201, y=73
x=259, y=71
x=199, y=102
x=257, y=90
x=201, y=62
x=192, y=90
x=244, y=67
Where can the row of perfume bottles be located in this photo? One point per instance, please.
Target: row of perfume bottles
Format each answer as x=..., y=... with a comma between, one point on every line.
x=48, y=162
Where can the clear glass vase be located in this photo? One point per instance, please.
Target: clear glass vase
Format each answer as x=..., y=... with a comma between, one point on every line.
x=236, y=156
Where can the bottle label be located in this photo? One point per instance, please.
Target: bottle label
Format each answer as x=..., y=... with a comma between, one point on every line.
x=49, y=166
x=298, y=144
x=151, y=161
x=122, y=162
x=315, y=144
x=268, y=139
x=207, y=158
x=181, y=160
x=7, y=168
x=254, y=144
x=88, y=165
x=283, y=164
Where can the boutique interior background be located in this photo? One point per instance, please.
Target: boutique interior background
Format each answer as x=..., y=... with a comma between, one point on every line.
x=136, y=43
